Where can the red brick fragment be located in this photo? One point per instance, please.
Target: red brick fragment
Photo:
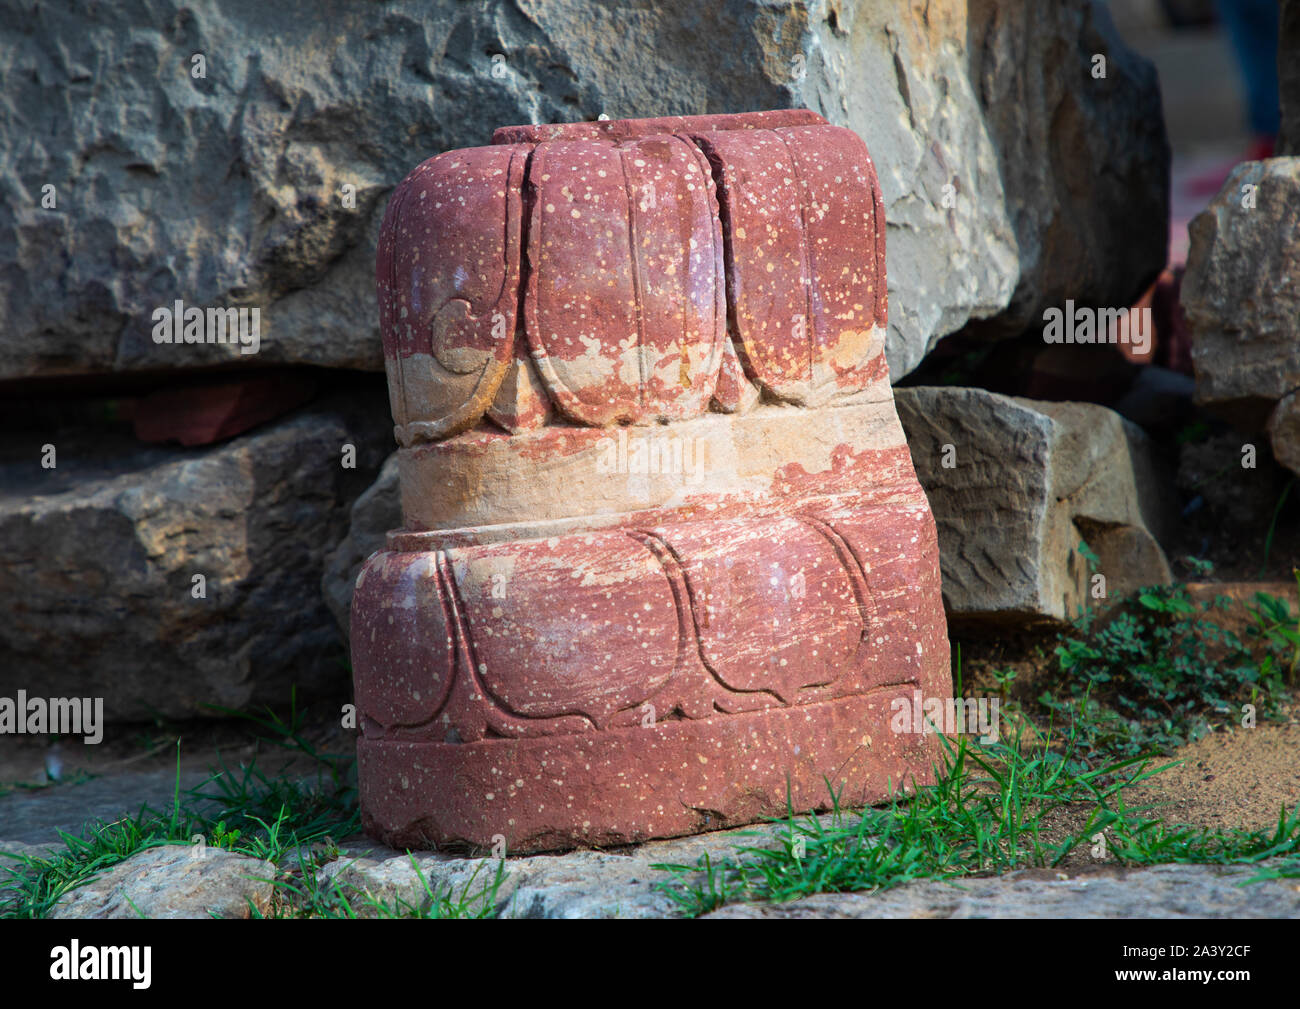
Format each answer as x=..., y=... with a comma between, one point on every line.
x=203, y=414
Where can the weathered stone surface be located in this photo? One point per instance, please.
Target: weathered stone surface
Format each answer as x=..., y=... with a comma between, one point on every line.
x=171, y=882
x=588, y=634
x=1241, y=295
x=577, y=884
x=622, y=884
x=1071, y=148
x=629, y=289
x=483, y=477
x=1284, y=431
x=101, y=553
x=1027, y=482
x=706, y=603
x=375, y=512
x=448, y=321
x=1243, y=302
x=650, y=293
x=35, y=817
x=228, y=190
x=1161, y=891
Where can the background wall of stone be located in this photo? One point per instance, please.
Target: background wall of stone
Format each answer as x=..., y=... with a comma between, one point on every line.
x=1012, y=176
x=241, y=153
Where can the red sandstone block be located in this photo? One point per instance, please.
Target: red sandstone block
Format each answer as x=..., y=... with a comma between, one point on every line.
x=641, y=288
x=560, y=649
x=447, y=276
x=625, y=308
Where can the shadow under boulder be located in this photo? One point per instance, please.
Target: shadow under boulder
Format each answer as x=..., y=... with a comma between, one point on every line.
x=165, y=580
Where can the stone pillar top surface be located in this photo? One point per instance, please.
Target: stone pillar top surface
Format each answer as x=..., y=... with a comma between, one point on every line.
x=632, y=272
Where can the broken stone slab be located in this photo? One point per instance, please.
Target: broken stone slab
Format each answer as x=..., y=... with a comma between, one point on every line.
x=1011, y=174
x=164, y=580
x=1160, y=891
x=685, y=591
x=1240, y=293
x=174, y=881
x=577, y=884
x=1016, y=485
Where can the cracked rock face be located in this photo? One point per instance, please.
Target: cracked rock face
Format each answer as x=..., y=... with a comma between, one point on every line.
x=263, y=182
x=1241, y=295
x=1017, y=484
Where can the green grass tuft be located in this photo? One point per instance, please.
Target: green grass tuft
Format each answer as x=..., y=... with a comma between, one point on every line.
x=994, y=808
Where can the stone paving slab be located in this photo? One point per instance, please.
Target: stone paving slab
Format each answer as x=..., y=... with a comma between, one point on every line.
x=591, y=884
x=35, y=816
x=1161, y=891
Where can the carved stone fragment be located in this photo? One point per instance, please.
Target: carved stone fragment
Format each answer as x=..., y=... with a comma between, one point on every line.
x=665, y=564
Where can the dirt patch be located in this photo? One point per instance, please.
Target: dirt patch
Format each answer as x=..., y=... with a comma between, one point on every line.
x=1230, y=779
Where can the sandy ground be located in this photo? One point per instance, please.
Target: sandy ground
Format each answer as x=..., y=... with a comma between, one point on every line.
x=1237, y=779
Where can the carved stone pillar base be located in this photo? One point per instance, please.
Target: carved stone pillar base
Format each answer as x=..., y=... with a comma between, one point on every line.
x=635, y=783
x=666, y=565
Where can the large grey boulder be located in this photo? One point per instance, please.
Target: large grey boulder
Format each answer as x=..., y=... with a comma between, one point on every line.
x=1082, y=152
x=1241, y=295
x=1012, y=175
x=1016, y=485
x=102, y=552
